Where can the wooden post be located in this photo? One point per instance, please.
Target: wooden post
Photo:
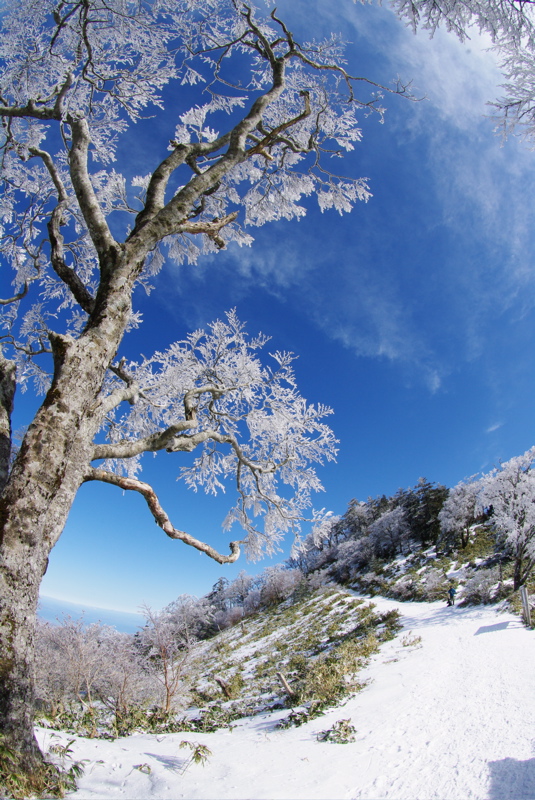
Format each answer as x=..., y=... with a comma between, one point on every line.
x=525, y=603
x=289, y=691
x=225, y=687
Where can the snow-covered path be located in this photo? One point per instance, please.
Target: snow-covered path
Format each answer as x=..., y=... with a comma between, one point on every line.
x=448, y=718
x=453, y=718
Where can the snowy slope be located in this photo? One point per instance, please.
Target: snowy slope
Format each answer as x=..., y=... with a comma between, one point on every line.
x=450, y=718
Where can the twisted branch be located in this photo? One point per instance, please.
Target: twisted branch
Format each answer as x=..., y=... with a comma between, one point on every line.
x=160, y=516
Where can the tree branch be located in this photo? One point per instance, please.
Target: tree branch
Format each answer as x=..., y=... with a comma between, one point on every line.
x=29, y=110
x=81, y=181
x=401, y=89
x=160, y=516
x=173, y=216
x=155, y=199
x=272, y=137
x=157, y=187
x=161, y=440
x=8, y=300
x=65, y=273
x=129, y=393
x=57, y=219
x=7, y=393
x=167, y=439
x=211, y=229
x=51, y=167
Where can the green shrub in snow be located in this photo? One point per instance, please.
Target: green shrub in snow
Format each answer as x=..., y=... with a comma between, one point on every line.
x=333, y=675
x=342, y=732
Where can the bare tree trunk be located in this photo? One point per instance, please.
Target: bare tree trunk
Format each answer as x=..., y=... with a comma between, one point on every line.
x=519, y=573
x=50, y=467
x=31, y=520
x=33, y=512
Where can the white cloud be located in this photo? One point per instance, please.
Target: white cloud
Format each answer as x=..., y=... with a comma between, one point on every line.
x=458, y=79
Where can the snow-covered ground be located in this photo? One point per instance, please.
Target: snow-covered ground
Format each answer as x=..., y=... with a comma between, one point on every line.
x=450, y=718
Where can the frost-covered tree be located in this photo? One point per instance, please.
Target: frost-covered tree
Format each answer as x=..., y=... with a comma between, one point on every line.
x=390, y=533
x=358, y=518
x=239, y=588
x=422, y=505
x=511, y=26
x=81, y=667
x=325, y=533
x=458, y=513
x=316, y=548
x=278, y=583
x=190, y=617
x=217, y=597
x=165, y=642
x=73, y=660
x=352, y=556
x=509, y=493
x=251, y=123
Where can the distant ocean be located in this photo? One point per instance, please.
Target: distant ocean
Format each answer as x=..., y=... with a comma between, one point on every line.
x=53, y=610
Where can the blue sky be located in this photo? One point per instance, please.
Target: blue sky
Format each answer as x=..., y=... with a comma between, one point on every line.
x=412, y=317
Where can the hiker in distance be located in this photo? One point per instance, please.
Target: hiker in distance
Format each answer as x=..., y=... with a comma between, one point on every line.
x=451, y=595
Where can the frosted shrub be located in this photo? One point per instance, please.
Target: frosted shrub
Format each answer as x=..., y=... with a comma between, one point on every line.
x=53, y=688
x=370, y=582
x=124, y=686
x=72, y=658
x=252, y=603
x=279, y=584
x=317, y=579
x=229, y=618
x=406, y=588
x=90, y=676
x=435, y=585
x=481, y=587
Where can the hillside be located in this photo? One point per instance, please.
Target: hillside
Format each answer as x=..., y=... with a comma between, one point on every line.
x=340, y=673
x=446, y=713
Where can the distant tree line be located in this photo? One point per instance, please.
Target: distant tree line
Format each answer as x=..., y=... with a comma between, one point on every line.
x=378, y=528
x=428, y=515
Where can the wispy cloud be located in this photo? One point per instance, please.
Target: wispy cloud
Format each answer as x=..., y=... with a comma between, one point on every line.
x=347, y=288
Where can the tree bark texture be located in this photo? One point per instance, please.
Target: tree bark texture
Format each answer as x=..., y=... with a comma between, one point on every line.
x=50, y=466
